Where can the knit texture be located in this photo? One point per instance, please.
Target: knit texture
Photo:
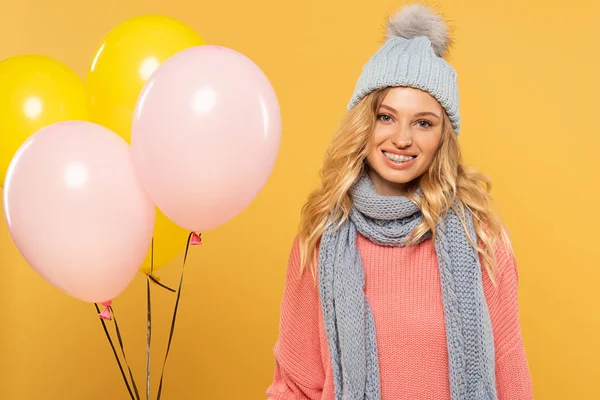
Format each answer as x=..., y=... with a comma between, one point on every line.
x=404, y=292
x=388, y=220
x=417, y=40
x=411, y=63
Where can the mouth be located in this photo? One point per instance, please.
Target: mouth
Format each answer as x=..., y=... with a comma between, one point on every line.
x=398, y=159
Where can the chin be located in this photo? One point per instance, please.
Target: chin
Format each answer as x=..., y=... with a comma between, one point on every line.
x=397, y=176
x=404, y=178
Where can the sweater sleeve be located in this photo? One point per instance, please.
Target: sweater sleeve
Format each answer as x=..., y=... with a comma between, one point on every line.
x=299, y=372
x=513, y=378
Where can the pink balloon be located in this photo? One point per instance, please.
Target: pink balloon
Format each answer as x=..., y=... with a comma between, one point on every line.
x=76, y=210
x=205, y=135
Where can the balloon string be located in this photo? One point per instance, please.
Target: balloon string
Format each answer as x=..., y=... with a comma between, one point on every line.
x=149, y=334
x=187, y=247
x=137, y=394
x=115, y=353
x=153, y=279
x=151, y=276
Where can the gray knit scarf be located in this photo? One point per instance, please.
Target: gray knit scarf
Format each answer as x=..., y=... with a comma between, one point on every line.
x=348, y=319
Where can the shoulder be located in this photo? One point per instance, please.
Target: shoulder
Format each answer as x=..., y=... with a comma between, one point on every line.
x=502, y=249
x=505, y=254
x=506, y=275
x=300, y=284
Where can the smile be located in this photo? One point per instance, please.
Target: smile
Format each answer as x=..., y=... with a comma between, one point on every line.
x=396, y=161
x=397, y=158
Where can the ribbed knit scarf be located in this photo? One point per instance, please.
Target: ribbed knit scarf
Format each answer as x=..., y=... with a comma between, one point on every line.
x=348, y=319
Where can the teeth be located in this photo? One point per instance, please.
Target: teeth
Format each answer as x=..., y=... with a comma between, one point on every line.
x=397, y=158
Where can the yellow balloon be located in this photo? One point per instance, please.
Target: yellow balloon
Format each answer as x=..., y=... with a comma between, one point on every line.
x=125, y=60
x=169, y=241
x=123, y=63
x=35, y=91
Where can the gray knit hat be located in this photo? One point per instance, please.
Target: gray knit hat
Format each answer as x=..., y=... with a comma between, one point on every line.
x=417, y=40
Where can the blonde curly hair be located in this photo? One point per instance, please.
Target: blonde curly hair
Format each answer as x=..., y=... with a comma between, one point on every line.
x=446, y=181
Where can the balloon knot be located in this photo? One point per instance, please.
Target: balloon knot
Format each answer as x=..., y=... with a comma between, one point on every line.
x=196, y=239
x=105, y=314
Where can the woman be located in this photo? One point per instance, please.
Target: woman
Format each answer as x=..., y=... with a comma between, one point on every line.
x=412, y=290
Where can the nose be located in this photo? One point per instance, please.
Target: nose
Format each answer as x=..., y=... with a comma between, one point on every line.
x=402, y=137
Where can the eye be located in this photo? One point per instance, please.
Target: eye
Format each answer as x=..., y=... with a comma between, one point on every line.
x=424, y=123
x=384, y=117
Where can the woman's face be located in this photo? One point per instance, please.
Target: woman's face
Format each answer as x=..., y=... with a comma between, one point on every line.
x=409, y=123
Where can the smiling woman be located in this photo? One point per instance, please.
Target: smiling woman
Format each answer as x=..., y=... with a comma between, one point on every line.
x=416, y=292
x=405, y=138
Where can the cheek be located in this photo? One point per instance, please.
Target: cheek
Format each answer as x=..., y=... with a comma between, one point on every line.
x=379, y=136
x=428, y=147
x=377, y=139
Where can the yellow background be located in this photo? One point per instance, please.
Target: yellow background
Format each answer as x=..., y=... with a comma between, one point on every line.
x=528, y=74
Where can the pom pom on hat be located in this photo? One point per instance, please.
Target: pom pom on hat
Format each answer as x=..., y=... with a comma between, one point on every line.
x=418, y=20
x=413, y=55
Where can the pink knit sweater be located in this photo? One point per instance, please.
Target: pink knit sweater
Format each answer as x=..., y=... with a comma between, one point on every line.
x=403, y=289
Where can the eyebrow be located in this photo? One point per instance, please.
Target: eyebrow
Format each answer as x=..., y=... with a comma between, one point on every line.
x=420, y=114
